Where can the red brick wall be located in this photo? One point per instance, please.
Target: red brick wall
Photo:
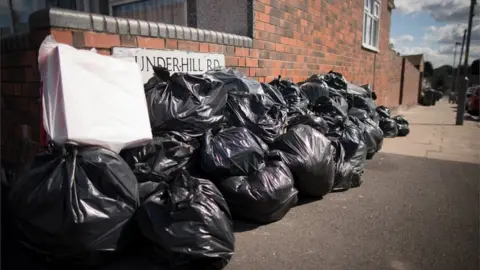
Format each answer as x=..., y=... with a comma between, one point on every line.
x=410, y=84
x=20, y=83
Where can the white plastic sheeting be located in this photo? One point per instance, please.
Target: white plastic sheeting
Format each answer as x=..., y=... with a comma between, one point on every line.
x=92, y=99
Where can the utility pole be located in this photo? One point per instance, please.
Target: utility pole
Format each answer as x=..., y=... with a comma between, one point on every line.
x=454, y=73
x=459, y=63
x=464, y=85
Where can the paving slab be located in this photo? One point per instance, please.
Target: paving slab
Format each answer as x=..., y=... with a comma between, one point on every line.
x=433, y=134
x=410, y=213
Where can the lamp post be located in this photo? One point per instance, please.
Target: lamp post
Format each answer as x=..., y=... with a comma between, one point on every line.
x=463, y=88
x=454, y=77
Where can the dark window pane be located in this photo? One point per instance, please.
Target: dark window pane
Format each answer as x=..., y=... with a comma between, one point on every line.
x=22, y=10
x=167, y=11
x=5, y=19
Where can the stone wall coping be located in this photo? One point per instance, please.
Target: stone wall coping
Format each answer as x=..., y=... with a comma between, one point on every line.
x=64, y=18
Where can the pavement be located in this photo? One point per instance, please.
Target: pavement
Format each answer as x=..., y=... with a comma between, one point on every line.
x=418, y=208
x=433, y=134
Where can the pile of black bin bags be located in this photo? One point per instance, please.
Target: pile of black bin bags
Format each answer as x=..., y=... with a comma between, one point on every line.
x=392, y=127
x=225, y=147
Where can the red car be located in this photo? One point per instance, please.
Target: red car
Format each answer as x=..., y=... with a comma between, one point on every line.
x=473, y=101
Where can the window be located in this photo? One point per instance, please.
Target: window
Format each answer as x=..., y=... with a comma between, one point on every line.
x=167, y=11
x=230, y=16
x=371, y=24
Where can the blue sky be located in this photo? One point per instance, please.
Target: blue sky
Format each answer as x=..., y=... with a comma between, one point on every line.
x=432, y=27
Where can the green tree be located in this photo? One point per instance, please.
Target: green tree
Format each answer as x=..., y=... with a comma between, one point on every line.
x=474, y=68
x=428, y=69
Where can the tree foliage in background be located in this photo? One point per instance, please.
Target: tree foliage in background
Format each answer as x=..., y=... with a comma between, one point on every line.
x=474, y=68
x=428, y=69
x=440, y=76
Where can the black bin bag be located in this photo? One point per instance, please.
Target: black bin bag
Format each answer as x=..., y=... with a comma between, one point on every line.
x=258, y=113
x=315, y=90
x=274, y=94
x=232, y=152
x=372, y=133
x=263, y=197
x=291, y=93
x=402, y=124
x=234, y=80
x=308, y=154
x=373, y=137
x=188, y=223
x=383, y=112
x=74, y=204
x=358, y=160
x=161, y=159
x=329, y=108
x=343, y=169
x=348, y=134
x=314, y=121
x=189, y=104
x=366, y=104
x=358, y=164
x=389, y=127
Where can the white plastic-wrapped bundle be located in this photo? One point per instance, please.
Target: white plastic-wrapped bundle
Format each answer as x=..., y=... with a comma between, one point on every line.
x=92, y=99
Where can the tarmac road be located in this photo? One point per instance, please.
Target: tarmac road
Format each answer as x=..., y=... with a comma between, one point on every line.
x=410, y=213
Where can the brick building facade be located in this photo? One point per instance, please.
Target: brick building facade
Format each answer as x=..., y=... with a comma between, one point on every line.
x=294, y=39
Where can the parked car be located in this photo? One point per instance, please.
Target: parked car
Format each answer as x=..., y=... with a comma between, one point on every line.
x=473, y=101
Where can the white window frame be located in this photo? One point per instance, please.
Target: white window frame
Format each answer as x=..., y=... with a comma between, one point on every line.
x=368, y=12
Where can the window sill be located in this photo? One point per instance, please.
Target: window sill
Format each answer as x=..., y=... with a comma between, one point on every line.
x=62, y=18
x=370, y=48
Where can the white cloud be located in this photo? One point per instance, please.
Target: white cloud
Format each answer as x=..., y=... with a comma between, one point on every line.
x=451, y=33
x=440, y=10
x=441, y=56
x=401, y=40
x=404, y=38
x=438, y=41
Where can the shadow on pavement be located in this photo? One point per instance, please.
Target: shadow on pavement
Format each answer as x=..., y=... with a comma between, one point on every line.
x=430, y=124
x=471, y=118
x=242, y=226
x=302, y=200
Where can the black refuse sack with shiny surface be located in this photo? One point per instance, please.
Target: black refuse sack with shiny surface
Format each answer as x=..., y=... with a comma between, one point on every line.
x=189, y=104
x=314, y=121
x=372, y=133
x=291, y=93
x=348, y=134
x=232, y=152
x=383, y=112
x=263, y=197
x=343, y=169
x=373, y=137
x=315, y=90
x=189, y=224
x=366, y=104
x=234, y=80
x=328, y=107
x=359, y=158
x=274, y=94
x=402, y=124
x=308, y=154
x=389, y=127
x=74, y=204
x=165, y=154
x=161, y=159
x=258, y=113
x=358, y=164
